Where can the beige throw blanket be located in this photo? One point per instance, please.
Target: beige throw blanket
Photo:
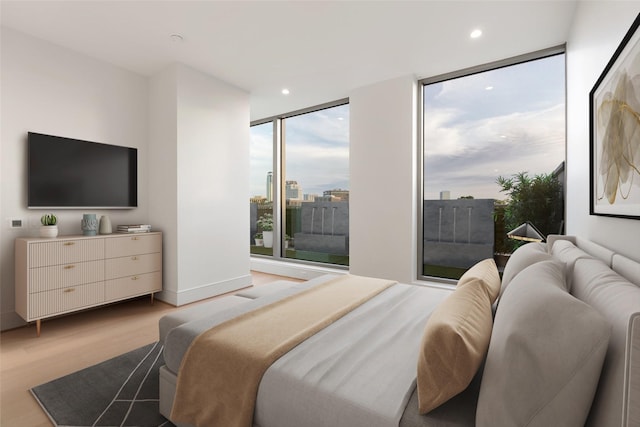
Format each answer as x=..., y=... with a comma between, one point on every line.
x=219, y=376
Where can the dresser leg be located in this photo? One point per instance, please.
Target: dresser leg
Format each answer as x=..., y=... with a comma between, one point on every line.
x=38, y=327
x=151, y=299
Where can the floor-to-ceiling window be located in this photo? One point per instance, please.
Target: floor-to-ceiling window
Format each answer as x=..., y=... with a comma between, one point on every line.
x=300, y=185
x=493, y=150
x=261, y=176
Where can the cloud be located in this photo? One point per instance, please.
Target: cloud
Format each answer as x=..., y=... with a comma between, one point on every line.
x=316, y=151
x=466, y=159
x=497, y=122
x=476, y=127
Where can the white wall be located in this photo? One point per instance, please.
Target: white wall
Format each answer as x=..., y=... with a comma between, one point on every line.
x=191, y=132
x=52, y=90
x=382, y=201
x=163, y=173
x=597, y=31
x=209, y=230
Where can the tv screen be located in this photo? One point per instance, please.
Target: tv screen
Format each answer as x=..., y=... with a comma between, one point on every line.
x=71, y=173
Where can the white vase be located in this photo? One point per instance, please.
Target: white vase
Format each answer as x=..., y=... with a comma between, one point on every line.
x=105, y=225
x=267, y=237
x=49, y=231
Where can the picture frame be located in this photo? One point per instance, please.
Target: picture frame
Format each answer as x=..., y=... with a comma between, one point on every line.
x=614, y=134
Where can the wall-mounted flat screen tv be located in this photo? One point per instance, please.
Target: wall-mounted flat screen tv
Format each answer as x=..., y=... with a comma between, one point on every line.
x=71, y=173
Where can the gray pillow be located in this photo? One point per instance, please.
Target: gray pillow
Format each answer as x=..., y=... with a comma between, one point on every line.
x=522, y=258
x=566, y=251
x=545, y=354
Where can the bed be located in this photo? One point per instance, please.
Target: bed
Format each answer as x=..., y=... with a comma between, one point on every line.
x=562, y=347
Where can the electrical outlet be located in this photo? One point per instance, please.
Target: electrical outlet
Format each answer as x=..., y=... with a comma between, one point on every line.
x=15, y=222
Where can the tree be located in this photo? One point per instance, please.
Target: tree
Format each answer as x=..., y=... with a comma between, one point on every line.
x=538, y=200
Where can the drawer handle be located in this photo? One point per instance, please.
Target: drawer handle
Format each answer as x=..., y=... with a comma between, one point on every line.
x=68, y=290
x=135, y=278
x=69, y=267
x=134, y=238
x=69, y=243
x=134, y=258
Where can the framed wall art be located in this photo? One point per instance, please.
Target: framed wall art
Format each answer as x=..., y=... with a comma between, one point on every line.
x=614, y=133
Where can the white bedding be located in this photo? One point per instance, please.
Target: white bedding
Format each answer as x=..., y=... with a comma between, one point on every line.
x=358, y=372
x=354, y=394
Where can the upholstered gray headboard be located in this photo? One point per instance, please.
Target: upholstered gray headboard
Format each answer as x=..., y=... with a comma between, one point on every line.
x=610, y=282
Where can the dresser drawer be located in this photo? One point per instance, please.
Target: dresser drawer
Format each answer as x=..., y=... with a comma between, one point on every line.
x=65, y=251
x=65, y=275
x=133, y=245
x=140, y=284
x=66, y=299
x=132, y=265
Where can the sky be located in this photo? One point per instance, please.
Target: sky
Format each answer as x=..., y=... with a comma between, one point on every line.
x=476, y=128
x=496, y=123
x=316, y=151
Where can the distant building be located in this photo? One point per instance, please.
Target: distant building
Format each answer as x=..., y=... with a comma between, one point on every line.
x=293, y=191
x=258, y=200
x=328, y=198
x=336, y=195
x=269, y=186
x=445, y=195
x=310, y=197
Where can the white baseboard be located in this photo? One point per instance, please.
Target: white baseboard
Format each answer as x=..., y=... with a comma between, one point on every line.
x=203, y=292
x=290, y=269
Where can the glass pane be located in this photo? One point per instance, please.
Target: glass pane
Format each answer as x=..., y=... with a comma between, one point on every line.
x=316, y=156
x=261, y=175
x=494, y=151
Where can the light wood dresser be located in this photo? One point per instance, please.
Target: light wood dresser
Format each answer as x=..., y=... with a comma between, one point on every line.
x=71, y=273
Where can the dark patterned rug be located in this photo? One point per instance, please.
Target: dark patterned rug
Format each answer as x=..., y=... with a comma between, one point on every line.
x=122, y=391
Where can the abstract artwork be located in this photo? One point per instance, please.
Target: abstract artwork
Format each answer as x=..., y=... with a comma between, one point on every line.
x=615, y=132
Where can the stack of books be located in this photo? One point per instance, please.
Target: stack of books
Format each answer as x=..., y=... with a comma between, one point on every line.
x=134, y=228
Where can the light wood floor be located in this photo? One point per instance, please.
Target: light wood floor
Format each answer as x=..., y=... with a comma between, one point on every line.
x=70, y=343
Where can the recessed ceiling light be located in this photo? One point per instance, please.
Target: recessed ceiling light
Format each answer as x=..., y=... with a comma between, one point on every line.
x=285, y=91
x=475, y=34
x=488, y=88
x=176, y=38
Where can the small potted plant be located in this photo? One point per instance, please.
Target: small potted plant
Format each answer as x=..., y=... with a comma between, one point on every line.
x=287, y=239
x=49, y=225
x=265, y=222
x=258, y=238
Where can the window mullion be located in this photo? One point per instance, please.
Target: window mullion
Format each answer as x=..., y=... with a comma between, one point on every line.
x=278, y=174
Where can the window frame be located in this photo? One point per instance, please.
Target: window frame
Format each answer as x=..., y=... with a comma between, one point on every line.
x=279, y=184
x=507, y=62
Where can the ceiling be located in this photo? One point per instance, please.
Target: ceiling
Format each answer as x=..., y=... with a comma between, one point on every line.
x=319, y=50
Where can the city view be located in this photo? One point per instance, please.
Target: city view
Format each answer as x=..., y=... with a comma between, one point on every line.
x=316, y=226
x=490, y=141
